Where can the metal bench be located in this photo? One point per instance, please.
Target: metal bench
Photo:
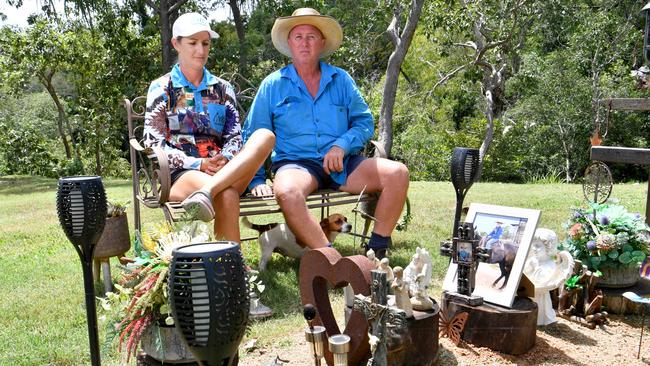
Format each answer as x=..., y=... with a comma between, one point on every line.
x=151, y=182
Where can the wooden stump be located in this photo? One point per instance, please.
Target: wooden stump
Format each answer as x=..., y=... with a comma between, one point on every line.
x=511, y=331
x=419, y=345
x=615, y=303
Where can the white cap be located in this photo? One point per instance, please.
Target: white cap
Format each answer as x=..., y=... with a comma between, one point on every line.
x=191, y=23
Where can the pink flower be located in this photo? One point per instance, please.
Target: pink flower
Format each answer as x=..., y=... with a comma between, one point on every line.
x=576, y=231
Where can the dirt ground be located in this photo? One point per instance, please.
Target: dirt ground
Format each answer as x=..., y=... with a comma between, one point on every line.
x=562, y=343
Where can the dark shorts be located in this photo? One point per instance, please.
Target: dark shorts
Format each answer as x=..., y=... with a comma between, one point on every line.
x=175, y=174
x=317, y=171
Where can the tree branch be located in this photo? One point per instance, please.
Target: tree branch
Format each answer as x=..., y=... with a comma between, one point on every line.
x=175, y=7
x=152, y=5
x=449, y=76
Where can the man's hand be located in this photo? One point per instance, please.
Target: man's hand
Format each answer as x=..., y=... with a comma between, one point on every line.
x=333, y=160
x=213, y=164
x=262, y=190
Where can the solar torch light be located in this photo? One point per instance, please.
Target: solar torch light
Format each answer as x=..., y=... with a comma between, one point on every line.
x=81, y=206
x=208, y=293
x=464, y=168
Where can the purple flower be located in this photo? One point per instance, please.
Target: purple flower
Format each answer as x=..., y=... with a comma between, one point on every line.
x=604, y=220
x=637, y=215
x=577, y=214
x=591, y=245
x=590, y=217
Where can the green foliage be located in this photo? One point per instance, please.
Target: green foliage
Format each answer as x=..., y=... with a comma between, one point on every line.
x=607, y=235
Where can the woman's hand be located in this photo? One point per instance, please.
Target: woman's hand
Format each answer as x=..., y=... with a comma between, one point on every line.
x=262, y=190
x=333, y=160
x=213, y=164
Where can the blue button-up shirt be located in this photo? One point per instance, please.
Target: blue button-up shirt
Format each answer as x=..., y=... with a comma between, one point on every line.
x=307, y=127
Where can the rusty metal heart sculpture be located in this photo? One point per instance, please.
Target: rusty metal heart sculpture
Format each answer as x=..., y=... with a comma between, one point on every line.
x=325, y=266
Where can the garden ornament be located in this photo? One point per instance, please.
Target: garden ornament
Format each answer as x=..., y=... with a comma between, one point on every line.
x=380, y=316
x=324, y=268
x=209, y=298
x=81, y=206
x=401, y=290
x=418, y=271
x=645, y=302
x=465, y=251
x=547, y=269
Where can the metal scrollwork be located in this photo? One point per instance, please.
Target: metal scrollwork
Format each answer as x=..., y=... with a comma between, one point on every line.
x=597, y=185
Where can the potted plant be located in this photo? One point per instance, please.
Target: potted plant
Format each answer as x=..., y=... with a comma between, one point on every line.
x=115, y=239
x=608, y=238
x=139, y=313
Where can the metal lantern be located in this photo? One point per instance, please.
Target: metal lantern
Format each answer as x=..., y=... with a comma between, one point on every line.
x=208, y=292
x=464, y=168
x=646, y=33
x=81, y=206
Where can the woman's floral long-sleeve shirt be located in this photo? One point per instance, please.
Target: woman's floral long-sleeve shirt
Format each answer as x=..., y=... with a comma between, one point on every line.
x=186, y=130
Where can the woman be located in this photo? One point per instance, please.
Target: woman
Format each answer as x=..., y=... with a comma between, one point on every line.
x=191, y=114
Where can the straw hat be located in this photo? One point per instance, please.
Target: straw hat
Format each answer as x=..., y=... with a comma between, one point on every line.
x=330, y=28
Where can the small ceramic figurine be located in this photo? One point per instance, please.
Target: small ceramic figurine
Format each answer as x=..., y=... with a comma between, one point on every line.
x=418, y=272
x=547, y=269
x=401, y=290
x=371, y=255
x=385, y=266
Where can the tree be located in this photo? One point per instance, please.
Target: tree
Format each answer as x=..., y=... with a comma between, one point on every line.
x=401, y=41
x=167, y=11
x=498, y=31
x=40, y=51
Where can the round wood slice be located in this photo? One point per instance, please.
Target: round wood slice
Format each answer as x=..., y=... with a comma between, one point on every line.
x=615, y=303
x=511, y=331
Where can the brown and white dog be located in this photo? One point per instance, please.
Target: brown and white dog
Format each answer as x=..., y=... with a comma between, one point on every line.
x=276, y=237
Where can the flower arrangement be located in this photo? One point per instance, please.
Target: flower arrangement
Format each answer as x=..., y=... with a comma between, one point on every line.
x=141, y=298
x=607, y=235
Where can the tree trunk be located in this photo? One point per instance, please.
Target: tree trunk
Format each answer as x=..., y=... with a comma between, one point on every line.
x=62, y=119
x=241, y=34
x=168, y=12
x=402, y=43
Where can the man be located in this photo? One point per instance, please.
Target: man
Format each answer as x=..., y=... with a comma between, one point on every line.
x=321, y=123
x=494, y=235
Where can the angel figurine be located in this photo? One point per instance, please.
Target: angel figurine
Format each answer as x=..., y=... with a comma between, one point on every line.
x=401, y=289
x=547, y=269
x=418, y=274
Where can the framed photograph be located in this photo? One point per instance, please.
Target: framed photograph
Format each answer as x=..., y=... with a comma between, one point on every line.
x=507, y=232
x=464, y=252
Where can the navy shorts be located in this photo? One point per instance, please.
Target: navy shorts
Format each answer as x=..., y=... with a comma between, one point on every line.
x=175, y=174
x=317, y=171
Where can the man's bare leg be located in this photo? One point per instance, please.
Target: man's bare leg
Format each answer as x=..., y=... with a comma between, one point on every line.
x=291, y=188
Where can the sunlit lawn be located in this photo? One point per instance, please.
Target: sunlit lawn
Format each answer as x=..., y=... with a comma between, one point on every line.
x=42, y=301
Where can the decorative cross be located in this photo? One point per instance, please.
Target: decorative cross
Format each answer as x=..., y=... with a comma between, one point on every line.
x=464, y=251
x=380, y=316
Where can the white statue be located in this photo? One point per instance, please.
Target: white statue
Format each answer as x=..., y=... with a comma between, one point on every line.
x=547, y=269
x=401, y=289
x=384, y=266
x=370, y=254
x=418, y=272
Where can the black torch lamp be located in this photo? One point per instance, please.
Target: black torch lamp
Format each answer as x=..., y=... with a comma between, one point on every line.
x=81, y=205
x=464, y=168
x=208, y=293
x=646, y=33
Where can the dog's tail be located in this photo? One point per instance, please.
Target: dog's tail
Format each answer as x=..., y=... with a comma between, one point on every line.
x=259, y=228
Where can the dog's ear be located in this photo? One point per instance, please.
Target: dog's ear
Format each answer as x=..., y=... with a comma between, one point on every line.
x=324, y=222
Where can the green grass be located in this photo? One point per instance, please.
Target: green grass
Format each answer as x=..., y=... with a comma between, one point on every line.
x=42, y=299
